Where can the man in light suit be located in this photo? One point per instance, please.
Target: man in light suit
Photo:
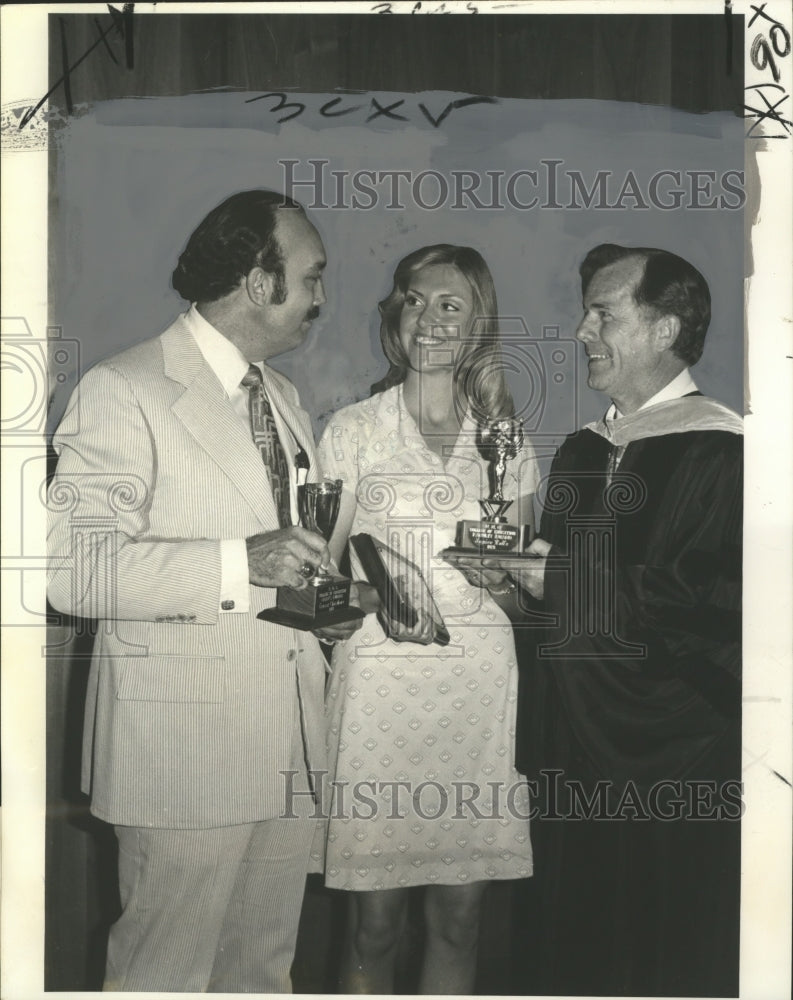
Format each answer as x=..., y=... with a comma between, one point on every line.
x=165, y=526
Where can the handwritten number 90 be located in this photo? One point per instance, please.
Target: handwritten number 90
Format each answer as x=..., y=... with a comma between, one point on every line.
x=761, y=52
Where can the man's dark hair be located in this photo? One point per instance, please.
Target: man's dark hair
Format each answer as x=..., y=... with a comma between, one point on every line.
x=670, y=286
x=234, y=238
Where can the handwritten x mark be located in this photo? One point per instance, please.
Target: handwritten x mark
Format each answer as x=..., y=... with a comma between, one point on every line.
x=770, y=114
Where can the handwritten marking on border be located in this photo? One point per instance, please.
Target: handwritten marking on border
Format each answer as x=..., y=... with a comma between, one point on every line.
x=765, y=50
x=295, y=108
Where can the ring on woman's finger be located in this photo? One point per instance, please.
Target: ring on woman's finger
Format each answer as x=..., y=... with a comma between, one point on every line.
x=306, y=570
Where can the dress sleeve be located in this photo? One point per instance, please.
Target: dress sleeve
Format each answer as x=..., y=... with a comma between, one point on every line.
x=338, y=449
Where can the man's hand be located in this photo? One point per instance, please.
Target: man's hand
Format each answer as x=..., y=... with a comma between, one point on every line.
x=282, y=558
x=339, y=632
x=480, y=573
x=531, y=575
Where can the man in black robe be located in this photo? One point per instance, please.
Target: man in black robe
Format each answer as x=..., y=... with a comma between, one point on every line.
x=629, y=722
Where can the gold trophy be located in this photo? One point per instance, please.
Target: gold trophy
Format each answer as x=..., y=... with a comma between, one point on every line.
x=326, y=599
x=492, y=535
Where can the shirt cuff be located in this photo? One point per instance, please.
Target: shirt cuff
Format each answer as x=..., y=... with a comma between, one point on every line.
x=235, y=595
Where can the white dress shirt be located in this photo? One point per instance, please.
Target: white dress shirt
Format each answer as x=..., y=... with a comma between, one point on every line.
x=681, y=385
x=230, y=367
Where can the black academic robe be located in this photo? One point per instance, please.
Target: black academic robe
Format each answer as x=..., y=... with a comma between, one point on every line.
x=634, y=682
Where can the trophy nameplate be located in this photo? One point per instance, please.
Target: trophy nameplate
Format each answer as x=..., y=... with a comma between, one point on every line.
x=325, y=599
x=489, y=535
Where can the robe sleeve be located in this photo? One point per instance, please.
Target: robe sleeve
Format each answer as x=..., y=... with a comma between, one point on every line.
x=645, y=655
x=687, y=595
x=675, y=585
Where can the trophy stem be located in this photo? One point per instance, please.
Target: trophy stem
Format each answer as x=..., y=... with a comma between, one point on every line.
x=494, y=509
x=493, y=535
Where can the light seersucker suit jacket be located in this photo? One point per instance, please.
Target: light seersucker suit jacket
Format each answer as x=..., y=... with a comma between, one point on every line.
x=191, y=712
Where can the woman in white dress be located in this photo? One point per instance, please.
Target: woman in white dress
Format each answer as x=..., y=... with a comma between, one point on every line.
x=421, y=737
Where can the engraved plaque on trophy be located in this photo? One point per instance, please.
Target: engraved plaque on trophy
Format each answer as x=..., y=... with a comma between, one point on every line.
x=325, y=601
x=492, y=536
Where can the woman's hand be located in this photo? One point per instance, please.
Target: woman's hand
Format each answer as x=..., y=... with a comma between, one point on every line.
x=364, y=596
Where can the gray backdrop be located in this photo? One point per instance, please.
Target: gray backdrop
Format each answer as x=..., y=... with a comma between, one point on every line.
x=135, y=176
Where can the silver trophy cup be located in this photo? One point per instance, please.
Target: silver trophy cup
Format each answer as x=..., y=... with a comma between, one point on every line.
x=326, y=601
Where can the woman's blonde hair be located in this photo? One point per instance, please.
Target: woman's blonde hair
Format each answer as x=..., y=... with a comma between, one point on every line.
x=479, y=371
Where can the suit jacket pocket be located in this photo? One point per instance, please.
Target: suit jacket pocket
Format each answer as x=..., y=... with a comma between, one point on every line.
x=172, y=679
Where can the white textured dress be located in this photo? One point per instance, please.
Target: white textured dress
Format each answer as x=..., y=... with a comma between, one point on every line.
x=421, y=738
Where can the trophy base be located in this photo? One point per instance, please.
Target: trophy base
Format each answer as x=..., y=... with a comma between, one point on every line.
x=505, y=544
x=291, y=619
x=489, y=537
x=507, y=561
x=315, y=606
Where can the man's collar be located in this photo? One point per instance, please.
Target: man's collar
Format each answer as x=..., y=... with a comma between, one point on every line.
x=220, y=354
x=681, y=385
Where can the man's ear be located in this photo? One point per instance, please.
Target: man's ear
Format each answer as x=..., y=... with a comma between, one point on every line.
x=666, y=330
x=259, y=285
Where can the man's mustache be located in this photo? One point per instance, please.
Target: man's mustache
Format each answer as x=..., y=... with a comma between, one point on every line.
x=312, y=313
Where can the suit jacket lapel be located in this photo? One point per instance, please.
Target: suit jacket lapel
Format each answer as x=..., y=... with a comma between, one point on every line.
x=209, y=416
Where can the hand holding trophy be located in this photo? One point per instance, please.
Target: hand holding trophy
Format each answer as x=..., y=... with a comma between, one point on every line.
x=325, y=601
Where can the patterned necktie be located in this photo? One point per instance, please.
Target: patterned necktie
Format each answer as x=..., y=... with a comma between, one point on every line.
x=265, y=437
x=615, y=457
x=615, y=453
